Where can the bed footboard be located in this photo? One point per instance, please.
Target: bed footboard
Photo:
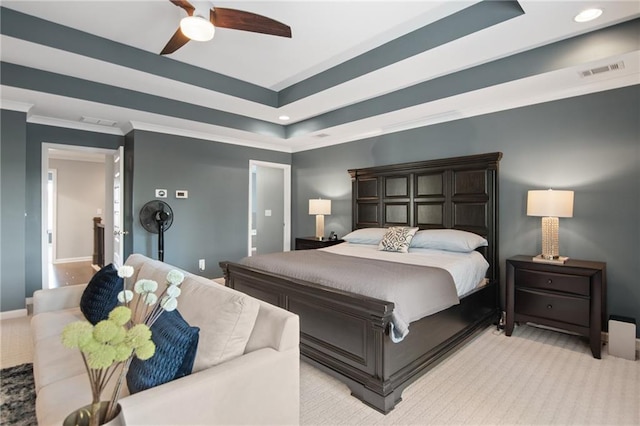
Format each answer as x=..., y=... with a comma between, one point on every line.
x=346, y=334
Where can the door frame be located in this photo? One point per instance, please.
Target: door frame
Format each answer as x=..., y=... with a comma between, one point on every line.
x=44, y=170
x=286, y=246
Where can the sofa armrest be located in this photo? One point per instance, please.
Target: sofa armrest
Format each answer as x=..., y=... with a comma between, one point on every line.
x=56, y=299
x=275, y=328
x=261, y=387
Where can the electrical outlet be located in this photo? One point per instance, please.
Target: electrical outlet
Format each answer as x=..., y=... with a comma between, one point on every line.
x=201, y=264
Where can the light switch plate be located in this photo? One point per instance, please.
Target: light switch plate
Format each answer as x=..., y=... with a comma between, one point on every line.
x=161, y=193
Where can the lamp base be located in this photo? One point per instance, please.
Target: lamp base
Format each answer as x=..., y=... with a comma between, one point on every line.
x=556, y=260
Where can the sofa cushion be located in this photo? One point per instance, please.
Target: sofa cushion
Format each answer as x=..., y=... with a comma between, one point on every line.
x=176, y=344
x=101, y=294
x=225, y=317
x=50, y=324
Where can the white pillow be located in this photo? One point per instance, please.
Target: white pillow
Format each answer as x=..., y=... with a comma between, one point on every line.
x=397, y=239
x=365, y=236
x=448, y=239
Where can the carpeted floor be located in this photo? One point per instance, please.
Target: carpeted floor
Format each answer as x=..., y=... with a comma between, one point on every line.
x=17, y=396
x=535, y=377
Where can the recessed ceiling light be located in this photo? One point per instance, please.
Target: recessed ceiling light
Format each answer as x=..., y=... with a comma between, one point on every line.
x=284, y=118
x=588, y=15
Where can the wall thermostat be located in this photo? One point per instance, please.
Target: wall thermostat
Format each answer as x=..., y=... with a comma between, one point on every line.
x=181, y=193
x=161, y=193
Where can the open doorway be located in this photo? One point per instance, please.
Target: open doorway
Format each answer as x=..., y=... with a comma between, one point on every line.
x=269, y=207
x=75, y=197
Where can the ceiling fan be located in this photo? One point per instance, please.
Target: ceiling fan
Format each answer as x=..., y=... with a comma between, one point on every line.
x=196, y=26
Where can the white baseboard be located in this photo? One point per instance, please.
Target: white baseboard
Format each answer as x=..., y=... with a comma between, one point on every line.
x=13, y=314
x=73, y=259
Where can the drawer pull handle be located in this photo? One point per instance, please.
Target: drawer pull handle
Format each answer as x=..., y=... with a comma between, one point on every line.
x=549, y=281
x=549, y=306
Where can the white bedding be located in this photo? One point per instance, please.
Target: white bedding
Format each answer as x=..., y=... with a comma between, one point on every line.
x=468, y=270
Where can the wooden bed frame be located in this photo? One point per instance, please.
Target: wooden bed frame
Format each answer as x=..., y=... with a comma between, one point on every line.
x=346, y=334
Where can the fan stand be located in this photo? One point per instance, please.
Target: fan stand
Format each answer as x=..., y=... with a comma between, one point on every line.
x=156, y=217
x=161, y=218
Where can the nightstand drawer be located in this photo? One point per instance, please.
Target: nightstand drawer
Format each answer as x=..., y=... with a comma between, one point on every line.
x=575, y=284
x=567, y=309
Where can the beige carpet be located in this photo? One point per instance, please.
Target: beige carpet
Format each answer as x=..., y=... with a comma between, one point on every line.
x=535, y=377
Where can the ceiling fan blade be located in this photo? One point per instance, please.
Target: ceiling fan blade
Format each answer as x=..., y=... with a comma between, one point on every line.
x=177, y=41
x=185, y=5
x=247, y=21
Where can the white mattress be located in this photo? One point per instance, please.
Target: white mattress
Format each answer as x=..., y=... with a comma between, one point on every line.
x=468, y=270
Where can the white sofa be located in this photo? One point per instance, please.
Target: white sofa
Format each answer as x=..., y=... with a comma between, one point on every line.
x=260, y=386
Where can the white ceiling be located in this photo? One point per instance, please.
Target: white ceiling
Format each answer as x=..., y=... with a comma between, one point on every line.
x=325, y=34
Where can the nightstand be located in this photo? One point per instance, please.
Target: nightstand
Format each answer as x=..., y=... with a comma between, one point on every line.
x=571, y=296
x=306, y=243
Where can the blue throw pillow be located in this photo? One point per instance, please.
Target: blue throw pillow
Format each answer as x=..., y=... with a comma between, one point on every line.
x=176, y=344
x=101, y=294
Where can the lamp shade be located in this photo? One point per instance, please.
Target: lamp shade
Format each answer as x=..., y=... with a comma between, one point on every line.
x=319, y=206
x=550, y=203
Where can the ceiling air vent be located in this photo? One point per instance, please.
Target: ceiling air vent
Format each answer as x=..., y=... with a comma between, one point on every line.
x=99, y=121
x=602, y=69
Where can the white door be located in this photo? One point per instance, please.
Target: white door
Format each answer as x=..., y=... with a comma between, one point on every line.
x=269, y=222
x=118, y=217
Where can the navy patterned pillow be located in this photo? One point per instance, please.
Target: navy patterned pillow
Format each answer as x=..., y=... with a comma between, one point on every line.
x=101, y=294
x=176, y=345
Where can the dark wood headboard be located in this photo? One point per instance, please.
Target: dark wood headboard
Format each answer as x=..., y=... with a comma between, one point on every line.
x=456, y=193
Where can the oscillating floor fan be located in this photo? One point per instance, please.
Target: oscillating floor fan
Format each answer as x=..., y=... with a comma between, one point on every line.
x=156, y=217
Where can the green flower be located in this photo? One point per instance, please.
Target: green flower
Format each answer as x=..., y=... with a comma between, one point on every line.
x=77, y=334
x=146, y=350
x=138, y=335
x=105, y=330
x=122, y=352
x=120, y=315
x=119, y=337
x=90, y=345
x=175, y=277
x=102, y=357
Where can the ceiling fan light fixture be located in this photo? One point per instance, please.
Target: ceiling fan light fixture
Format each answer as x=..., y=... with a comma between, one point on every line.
x=197, y=28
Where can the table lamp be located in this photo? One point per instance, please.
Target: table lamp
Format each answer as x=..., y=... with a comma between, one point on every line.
x=319, y=208
x=550, y=205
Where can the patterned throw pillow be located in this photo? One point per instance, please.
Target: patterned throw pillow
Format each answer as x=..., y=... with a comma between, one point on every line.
x=397, y=239
x=101, y=294
x=176, y=345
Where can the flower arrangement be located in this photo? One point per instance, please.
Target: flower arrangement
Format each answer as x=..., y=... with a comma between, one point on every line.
x=111, y=344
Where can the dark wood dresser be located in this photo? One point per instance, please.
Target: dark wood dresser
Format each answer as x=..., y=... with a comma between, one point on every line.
x=571, y=296
x=307, y=243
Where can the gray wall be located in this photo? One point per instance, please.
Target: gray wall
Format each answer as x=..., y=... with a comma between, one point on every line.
x=590, y=144
x=81, y=192
x=13, y=131
x=212, y=224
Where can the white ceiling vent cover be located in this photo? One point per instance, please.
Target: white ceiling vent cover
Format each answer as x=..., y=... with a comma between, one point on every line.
x=99, y=121
x=602, y=69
